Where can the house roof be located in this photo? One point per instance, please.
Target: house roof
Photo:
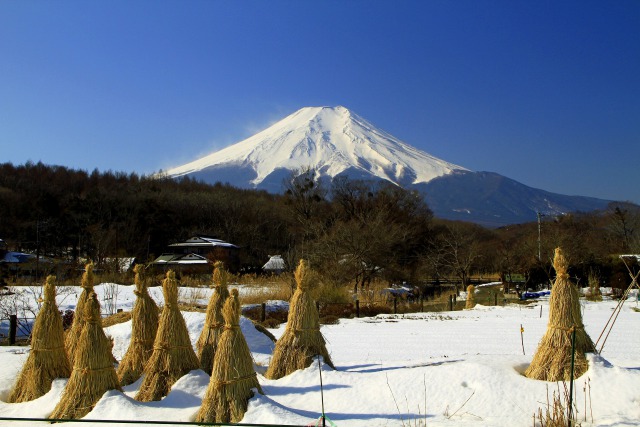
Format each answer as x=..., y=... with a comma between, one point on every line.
x=180, y=259
x=17, y=257
x=275, y=263
x=204, y=241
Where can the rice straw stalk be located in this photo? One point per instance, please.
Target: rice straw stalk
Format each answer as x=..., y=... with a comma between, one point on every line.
x=233, y=377
x=552, y=361
x=471, y=298
x=173, y=355
x=48, y=357
x=93, y=373
x=213, y=324
x=73, y=334
x=144, y=325
x=302, y=340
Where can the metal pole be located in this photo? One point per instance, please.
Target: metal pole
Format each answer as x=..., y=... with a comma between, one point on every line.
x=321, y=391
x=573, y=357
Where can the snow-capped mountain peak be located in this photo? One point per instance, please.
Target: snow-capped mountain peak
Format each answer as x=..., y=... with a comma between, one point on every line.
x=332, y=140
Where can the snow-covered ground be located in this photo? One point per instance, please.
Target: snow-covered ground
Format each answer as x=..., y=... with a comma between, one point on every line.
x=459, y=368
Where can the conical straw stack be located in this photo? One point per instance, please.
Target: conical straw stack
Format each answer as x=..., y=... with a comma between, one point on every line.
x=213, y=323
x=144, y=325
x=73, y=334
x=93, y=373
x=302, y=340
x=173, y=355
x=471, y=297
x=233, y=377
x=48, y=357
x=552, y=361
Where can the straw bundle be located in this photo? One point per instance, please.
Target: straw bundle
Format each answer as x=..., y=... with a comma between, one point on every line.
x=552, y=361
x=302, y=339
x=93, y=373
x=144, y=325
x=173, y=355
x=213, y=323
x=233, y=376
x=73, y=334
x=471, y=298
x=48, y=358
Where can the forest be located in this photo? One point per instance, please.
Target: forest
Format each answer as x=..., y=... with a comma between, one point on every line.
x=352, y=232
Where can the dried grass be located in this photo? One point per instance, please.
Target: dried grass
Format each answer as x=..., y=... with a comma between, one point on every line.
x=144, y=326
x=48, y=357
x=115, y=319
x=471, y=297
x=302, y=340
x=233, y=377
x=73, y=334
x=173, y=355
x=208, y=341
x=552, y=361
x=93, y=373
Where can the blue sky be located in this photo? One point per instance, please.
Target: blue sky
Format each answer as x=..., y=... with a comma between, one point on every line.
x=544, y=92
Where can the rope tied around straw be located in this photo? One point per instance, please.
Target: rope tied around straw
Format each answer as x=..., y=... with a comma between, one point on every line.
x=220, y=383
x=562, y=328
x=47, y=349
x=305, y=329
x=85, y=370
x=167, y=346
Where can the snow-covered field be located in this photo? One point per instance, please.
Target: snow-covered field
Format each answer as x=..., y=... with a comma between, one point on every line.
x=458, y=368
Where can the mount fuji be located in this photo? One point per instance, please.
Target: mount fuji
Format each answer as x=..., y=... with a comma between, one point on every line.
x=333, y=141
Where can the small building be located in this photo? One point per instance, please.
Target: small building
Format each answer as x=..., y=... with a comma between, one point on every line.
x=275, y=265
x=197, y=254
x=23, y=264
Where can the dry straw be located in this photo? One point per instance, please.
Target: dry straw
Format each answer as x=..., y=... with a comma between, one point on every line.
x=233, y=377
x=173, y=355
x=552, y=361
x=302, y=340
x=73, y=334
x=48, y=358
x=144, y=325
x=93, y=373
x=213, y=322
x=471, y=298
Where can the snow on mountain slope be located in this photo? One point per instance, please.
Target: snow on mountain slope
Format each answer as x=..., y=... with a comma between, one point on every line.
x=332, y=140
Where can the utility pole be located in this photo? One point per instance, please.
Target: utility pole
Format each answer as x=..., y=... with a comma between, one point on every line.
x=540, y=215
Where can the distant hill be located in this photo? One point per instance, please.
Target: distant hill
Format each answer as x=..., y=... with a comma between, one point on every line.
x=337, y=142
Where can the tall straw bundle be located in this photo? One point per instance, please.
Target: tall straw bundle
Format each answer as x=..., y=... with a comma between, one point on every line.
x=144, y=325
x=173, y=355
x=471, y=298
x=73, y=334
x=552, y=361
x=48, y=358
x=302, y=339
x=93, y=373
x=213, y=323
x=233, y=377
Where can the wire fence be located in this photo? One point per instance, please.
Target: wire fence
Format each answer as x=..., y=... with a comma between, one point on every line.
x=147, y=422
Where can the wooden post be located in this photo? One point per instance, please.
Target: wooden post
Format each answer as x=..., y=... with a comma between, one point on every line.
x=395, y=304
x=13, y=327
x=421, y=304
x=450, y=302
x=357, y=308
x=495, y=298
x=263, y=312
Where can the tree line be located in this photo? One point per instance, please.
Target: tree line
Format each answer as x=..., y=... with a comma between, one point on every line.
x=351, y=231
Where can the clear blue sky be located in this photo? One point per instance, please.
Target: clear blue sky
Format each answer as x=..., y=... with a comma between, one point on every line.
x=544, y=92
